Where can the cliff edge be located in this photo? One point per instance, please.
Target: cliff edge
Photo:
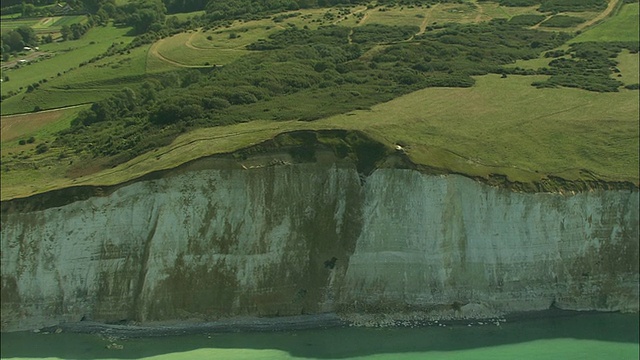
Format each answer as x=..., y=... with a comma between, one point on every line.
x=313, y=223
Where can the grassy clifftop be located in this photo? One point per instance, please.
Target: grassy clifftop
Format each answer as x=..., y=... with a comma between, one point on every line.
x=499, y=128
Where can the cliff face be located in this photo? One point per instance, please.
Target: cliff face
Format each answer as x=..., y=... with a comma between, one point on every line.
x=220, y=241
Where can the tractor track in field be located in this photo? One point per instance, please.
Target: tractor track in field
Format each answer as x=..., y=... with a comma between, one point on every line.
x=153, y=50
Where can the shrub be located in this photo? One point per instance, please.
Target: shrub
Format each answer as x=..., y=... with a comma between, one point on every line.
x=42, y=148
x=563, y=21
x=526, y=20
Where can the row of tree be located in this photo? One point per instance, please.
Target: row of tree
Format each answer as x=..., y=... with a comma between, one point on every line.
x=16, y=40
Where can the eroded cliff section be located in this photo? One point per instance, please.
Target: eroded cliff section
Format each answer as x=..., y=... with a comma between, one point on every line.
x=339, y=226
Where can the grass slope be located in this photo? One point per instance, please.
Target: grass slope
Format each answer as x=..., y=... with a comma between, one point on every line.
x=498, y=126
x=621, y=27
x=65, y=60
x=42, y=125
x=629, y=68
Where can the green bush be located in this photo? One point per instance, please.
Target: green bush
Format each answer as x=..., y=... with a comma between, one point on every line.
x=42, y=148
x=557, y=6
x=526, y=20
x=589, y=68
x=562, y=21
x=377, y=33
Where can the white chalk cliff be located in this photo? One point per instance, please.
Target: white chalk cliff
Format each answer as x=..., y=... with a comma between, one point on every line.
x=221, y=241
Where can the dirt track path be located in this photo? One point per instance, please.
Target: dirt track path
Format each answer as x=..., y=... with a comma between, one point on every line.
x=425, y=21
x=478, y=17
x=189, y=42
x=538, y=24
x=606, y=12
x=43, y=111
x=153, y=50
x=612, y=5
x=31, y=56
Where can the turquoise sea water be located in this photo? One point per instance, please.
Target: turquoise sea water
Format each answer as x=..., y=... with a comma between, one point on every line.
x=588, y=336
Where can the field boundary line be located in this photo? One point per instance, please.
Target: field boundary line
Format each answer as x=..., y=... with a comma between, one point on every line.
x=44, y=111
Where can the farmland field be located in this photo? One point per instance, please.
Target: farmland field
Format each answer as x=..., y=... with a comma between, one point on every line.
x=68, y=20
x=41, y=124
x=43, y=25
x=66, y=58
x=11, y=24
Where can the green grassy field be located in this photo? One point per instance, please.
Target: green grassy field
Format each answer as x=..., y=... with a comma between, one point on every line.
x=68, y=20
x=178, y=49
x=394, y=16
x=66, y=58
x=629, y=69
x=185, y=16
x=622, y=27
x=10, y=16
x=42, y=125
x=42, y=25
x=10, y=24
x=498, y=126
x=220, y=47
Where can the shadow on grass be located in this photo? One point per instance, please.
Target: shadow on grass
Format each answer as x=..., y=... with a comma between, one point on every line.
x=342, y=342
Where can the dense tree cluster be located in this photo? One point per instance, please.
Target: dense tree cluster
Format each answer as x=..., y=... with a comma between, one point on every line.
x=16, y=40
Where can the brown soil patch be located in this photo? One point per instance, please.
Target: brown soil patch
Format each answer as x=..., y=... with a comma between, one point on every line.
x=612, y=5
x=14, y=126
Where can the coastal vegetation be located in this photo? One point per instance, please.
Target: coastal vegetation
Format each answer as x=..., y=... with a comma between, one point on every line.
x=149, y=75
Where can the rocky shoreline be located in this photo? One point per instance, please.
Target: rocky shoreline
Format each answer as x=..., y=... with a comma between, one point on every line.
x=248, y=324
x=289, y=323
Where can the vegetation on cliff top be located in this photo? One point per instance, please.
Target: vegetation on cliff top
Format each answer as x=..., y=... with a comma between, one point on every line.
x=448, y=112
